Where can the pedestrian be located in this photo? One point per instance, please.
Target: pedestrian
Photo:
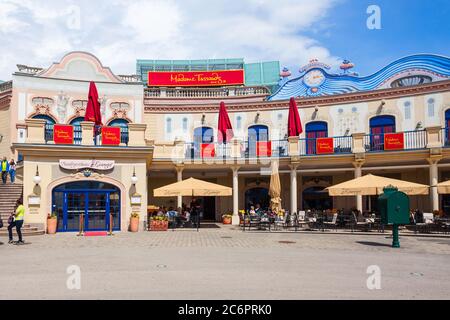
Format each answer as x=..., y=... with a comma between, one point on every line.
x=5, y=170
x=12, y=170
x=16, y=220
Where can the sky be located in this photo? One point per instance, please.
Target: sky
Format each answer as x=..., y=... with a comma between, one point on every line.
x=40, y=32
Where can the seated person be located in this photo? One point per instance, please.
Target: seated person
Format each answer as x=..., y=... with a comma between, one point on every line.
x=172, y=213
x=252, y=211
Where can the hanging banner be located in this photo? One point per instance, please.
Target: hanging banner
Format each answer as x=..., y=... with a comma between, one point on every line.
x=195, y=78
x=208, y=150
x=394, y=141
x=62, y=134
x=110, y=136
x=324, y=146
x=264, y=148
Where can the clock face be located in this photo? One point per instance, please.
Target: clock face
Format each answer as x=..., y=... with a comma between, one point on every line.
x=314, y=78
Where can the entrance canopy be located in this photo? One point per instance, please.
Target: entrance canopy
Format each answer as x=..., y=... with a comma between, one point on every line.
x=193, y=187
x=444, y=187
x=369, y=185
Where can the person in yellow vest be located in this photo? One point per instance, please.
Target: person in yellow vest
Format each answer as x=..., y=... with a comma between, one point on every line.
x=4, y=165
x=17, y=221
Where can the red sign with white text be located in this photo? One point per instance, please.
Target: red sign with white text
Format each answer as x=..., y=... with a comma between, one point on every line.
x=324, y=146
x=110, y=136
x=394, y=141
x=208, y=150
x=62, y=134
x=195, y=78
x=264, y=148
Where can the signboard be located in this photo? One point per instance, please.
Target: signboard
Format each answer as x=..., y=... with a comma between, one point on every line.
x=394, y=141
x=208, y=150
x=87, y=164
x=264, y=148
x=324, y=146
x=110, y=136
x=62, y=134
x=195, y=78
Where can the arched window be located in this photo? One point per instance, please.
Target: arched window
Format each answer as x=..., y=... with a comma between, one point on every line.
x=77, y=129
x=185, y=125
x=378, y=127
x=238, y=123
x=202, y=135
x=315, y=130
x=431, y=102
x=447, y=127
x=169, y=125
x=123, y=124
x=407, y=106
x=48, y=126
x=256, y=133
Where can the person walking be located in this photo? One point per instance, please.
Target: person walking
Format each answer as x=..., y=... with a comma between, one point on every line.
x=16, y=220
x=5, y=170
x=12, y=170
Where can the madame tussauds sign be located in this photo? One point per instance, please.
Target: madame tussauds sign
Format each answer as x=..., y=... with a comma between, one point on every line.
x=87, y=164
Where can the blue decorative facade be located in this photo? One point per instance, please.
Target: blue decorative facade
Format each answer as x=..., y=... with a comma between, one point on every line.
x=315, y=80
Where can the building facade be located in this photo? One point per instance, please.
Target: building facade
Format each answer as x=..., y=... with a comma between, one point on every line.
x=394, y=123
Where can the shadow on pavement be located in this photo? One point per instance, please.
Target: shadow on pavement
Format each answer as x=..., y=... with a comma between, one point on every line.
x=373, y=244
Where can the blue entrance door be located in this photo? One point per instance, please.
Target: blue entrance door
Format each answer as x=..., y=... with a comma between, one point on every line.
x=97, y=206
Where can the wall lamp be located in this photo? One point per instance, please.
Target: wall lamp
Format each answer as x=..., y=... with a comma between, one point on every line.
x=134, y=179
x=37, y=179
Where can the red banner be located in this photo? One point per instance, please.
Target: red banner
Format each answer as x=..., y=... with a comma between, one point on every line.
x=208, y=150
x=394, y=141
x=324, y=146
x=110, y=136
x=62, y=134
x=195, y=78
x=264, y=148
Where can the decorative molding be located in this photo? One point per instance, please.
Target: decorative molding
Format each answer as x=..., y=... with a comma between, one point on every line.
x=391, y=93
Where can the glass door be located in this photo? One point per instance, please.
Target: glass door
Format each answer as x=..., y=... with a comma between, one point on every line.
x=74, y=207
x=97, y=211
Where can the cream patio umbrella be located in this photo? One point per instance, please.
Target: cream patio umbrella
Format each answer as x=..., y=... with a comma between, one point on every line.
x=193, y=188
x=444, y=187
x=369, y=185
x=275, y=188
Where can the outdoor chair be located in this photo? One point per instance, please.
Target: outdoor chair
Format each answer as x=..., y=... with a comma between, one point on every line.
x=253, y=222
x=330, y=225
x=426, y=226
x=364, y=225
x=281, y=223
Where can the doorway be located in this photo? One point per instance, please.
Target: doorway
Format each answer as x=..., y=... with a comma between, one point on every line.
x=317, y=198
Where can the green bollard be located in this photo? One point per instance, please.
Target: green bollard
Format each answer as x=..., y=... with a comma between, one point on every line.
x=395, y=238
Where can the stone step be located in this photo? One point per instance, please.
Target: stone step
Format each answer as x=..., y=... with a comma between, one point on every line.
x=25, y=233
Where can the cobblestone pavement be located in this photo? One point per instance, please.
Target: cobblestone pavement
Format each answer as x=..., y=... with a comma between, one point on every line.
x=225, y=264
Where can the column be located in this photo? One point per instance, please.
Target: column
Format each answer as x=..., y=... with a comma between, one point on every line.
x=235, y=195
x=179, y=179
x=434, y=179
x=358, y=173
x=294, y=206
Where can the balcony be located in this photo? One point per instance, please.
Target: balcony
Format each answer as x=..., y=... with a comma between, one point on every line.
x=77, y=135
x=408, y=140
x=182, y=93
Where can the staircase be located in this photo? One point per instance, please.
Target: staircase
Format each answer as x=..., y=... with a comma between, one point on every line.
x=9, y=194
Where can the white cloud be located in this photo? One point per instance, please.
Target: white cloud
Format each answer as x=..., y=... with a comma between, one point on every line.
x=121, y=31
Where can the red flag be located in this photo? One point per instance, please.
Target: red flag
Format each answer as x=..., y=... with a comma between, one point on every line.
x=225, y=130
x=294, y=124
x=93, y=113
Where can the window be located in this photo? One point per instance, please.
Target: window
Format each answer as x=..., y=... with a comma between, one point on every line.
x=256, y=133
x=378, y=127
x=48, y=126
x=238, y=122
x=185, y=125
x=123, y=124
x=411, y=81
x=169, y=125
x=77, y=129
x=407, y=110
x=280, y=117
x=315, y=130
x=431, y=108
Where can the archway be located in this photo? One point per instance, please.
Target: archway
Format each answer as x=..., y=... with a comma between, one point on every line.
x=378, y=127
x=77, y=129
x=256, y=196
x=317, y=198
x=123, y=125
x=96, y=200
x=256, y=133
x=315, y=130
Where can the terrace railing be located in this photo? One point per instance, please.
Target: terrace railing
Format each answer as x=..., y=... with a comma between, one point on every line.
x=204, y=92
x=340, y=145
x=412, y=140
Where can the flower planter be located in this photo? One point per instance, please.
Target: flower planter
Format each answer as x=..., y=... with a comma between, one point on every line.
x=159, y=225
x=227, y=220
x=134, y=224
x=52, y=225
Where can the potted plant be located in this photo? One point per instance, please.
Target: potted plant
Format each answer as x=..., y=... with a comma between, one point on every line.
x=134, y=222
x=52, y=223
x=227, y=218
x=159, y=223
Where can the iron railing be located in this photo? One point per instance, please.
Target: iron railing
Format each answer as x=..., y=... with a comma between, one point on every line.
x=77, y=134
x=445, y=138
x=413, y=140
x=341, y=145
x=213, y=151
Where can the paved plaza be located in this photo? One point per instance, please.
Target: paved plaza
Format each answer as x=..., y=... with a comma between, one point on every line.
x=225, y=264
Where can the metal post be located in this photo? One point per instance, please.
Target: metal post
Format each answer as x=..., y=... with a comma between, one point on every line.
x=81, y=226
x=395, y=238
x=111, y=221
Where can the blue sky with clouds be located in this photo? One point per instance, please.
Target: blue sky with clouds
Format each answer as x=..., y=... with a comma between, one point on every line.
x=39, y=32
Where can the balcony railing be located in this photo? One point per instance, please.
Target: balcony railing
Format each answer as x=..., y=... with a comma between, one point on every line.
x=5, y=86
x=445, y=137
x=333, y=145
x=207, y=151
x=205, y=92
x=408, y=140
x=77, y=135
